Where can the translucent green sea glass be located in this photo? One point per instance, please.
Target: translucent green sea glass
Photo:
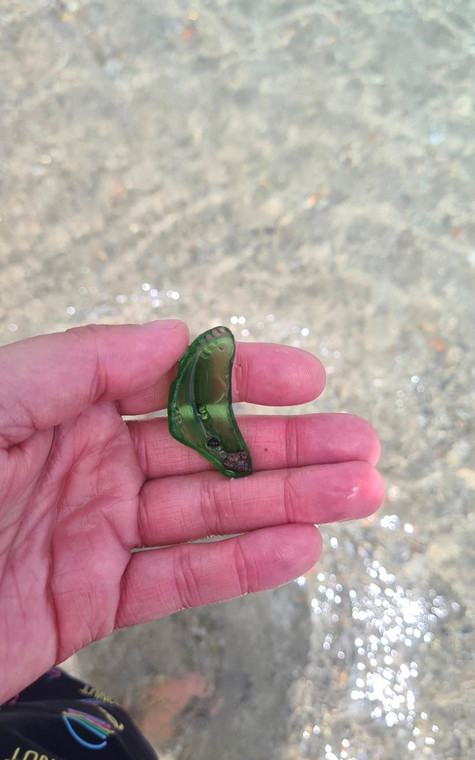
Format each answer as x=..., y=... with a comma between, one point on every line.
x=200, y=413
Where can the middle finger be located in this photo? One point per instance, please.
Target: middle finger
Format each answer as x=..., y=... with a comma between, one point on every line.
x=275, y=442
x=178, y=509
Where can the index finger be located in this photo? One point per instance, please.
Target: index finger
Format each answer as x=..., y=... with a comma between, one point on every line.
x=48, y=379
x=263, y=373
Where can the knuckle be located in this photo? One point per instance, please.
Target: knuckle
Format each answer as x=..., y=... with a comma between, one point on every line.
x=210, y=513
x=243, y=563
x=141, y=448
x=290, y=496
x=144, y=527
x=186, y=582
x=87, y=338
x=291, y=442
x=215, y=502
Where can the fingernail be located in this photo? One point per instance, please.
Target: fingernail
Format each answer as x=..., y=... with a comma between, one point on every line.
x=162, y=324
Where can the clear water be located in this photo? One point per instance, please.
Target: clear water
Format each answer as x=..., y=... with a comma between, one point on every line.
x=303, y=172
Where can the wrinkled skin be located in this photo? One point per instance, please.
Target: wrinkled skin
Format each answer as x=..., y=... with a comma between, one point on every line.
x=80, y=487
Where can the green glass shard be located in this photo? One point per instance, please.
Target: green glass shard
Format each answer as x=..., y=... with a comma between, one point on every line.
x=200, y=413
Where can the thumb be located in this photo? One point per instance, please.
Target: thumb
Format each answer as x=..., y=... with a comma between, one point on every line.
x=50, y=378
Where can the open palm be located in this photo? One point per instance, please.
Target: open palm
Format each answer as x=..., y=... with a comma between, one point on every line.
x=80, y=488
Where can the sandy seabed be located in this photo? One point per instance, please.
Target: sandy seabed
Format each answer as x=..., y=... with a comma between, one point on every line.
x=304, y=173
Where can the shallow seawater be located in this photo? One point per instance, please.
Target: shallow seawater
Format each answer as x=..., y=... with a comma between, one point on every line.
x=302, y=172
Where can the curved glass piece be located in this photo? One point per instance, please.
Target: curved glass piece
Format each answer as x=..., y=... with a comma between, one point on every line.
x=200, y=413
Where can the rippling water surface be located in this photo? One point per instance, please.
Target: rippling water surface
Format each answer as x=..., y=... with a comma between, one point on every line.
x=302, y=172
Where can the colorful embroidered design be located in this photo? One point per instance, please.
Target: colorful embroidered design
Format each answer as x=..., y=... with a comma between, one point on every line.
x=89, y=730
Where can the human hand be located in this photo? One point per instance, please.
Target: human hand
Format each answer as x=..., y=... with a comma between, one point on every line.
x=79, y=488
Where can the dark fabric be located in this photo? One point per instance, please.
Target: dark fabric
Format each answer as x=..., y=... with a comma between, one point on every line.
x=60, y=718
